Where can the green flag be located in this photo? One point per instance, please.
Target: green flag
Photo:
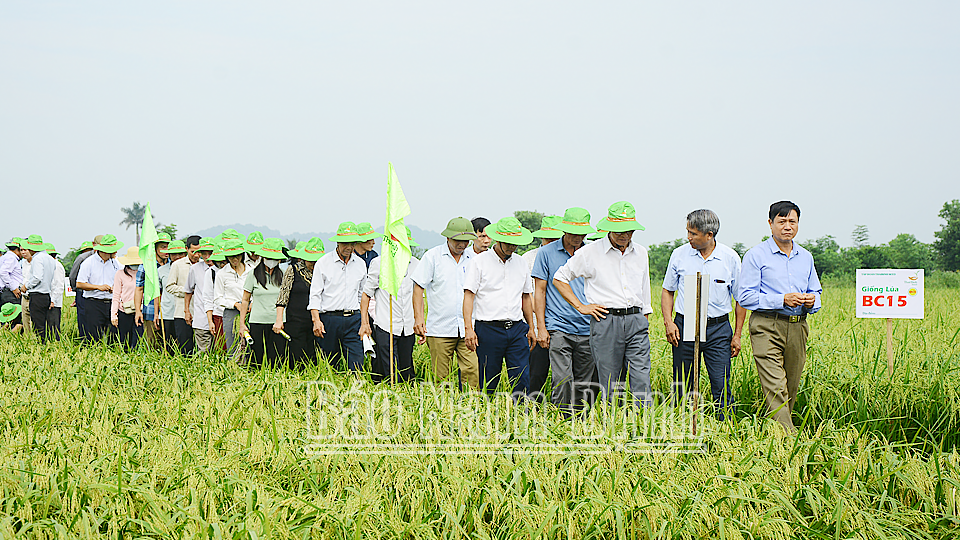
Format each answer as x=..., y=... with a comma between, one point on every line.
x=396, y=244
x=148, y=254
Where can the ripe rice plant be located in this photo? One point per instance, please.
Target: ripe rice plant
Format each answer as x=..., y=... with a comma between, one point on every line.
x=97, y=443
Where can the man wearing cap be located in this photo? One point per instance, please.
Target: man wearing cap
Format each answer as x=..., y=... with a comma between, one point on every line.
x=540, y=355
x=779, y=283
x=176, y=284
x=86, y=250
x=563, y=330
x=335, y=299
x=56, y=293
x=175, y=251
x=11, y=277
x=403, y=337
x=146, y=314
x=39, y=285
x=482, y=242
x=497, y=294
x=195, y=311
x=440, y=274
x=95, y=280
x=704, y=254
x=617, y=288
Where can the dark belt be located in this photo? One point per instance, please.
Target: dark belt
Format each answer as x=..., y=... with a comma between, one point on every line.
x=623, y=311
x=711, y=321
x=781, y=316
x=506, y=325
x=342, y=313
x=107, y=300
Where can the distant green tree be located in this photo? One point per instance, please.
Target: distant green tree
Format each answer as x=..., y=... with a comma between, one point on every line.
x=68, y=259
x=740, y=248
x=170, y=229
x=860, y=236
x=873, y=257
x=291, y=243
x=947, y=244
x=529, y=219
x=133, y=216
x=905, y=251
x=829, y=258
x=659, y=257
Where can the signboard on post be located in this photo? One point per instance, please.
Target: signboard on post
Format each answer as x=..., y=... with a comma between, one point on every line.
x=889, y=294
x=690, y=306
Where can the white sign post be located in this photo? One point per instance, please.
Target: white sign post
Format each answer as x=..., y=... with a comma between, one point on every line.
x=889, y=294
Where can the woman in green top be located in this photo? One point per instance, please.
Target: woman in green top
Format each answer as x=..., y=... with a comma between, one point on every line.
x=260, y=292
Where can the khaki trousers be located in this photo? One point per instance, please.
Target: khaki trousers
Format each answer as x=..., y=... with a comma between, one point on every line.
x=25, y=317
x=441, y=356
x=203, y=339
x=780, y=351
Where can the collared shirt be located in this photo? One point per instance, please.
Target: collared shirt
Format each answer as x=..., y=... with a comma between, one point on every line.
x=559, y=315
x=368, y=257
x=59, y=287
x=402, y=306
x=141, y=281
x=176, y=282
x=75, y=271
x=768, y=274
x=228, y=287
x=195, y=286
x=168, y=302
x=499, y=286
x=336, y=285
x=442, y=278
x=25, y=270
x=611, y=279
x=723, y=265
x=209, y=279
x=11, y=274
x=124, y=289
x=42, y=269
x=96, y=271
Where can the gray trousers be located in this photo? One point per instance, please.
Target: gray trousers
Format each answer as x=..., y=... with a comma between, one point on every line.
x=621, y=348
x=229, y=319
x=574, y=372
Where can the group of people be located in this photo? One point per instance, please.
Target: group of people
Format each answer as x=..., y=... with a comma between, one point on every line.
x=576, y=307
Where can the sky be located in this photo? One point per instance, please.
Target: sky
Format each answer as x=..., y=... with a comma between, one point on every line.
x=285, y=114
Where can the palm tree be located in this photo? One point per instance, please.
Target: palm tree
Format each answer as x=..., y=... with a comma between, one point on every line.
x=134, y=216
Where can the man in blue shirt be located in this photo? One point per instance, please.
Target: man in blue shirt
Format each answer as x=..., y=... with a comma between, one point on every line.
x=560, y=327
x=779, y=283
x=705, y=255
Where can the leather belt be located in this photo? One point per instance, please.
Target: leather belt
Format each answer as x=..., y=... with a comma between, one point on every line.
x=506, y=325
x=342, y=312
x=781, y=316
x=623, y=311
x=711, y=321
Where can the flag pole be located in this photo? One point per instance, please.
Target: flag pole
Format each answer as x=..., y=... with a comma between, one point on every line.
x=393, y=375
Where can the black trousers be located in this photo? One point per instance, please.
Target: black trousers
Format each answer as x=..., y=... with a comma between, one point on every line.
x=53, y=324
x=715, y=352
x=97, y=315
x=128, y=331
x=40, y=314
x=341, y=337
x=169, y=336
x=539, y=369
x=81, y=314
x=184, y=336
x=302, y=347
x=402, y=356
x=267, y=346
x=7, y=297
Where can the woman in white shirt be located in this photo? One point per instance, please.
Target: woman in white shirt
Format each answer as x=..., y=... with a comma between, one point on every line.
x=228, y=287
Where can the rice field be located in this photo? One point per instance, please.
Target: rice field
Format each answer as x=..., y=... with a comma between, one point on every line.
x=95, y=443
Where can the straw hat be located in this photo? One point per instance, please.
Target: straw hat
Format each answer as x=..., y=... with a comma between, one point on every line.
x=132, y=258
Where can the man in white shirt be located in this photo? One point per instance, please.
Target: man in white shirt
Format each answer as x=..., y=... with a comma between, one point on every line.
x=176, y=284
x=401, y=368
x=39, y=285
x=616, y=277
x=540, y=355
x=228, y=287
x=704, y=254
x=335, y=300
x=481, y=241
x=440, y=274
x=194, y=308
x=11, y=277
x=57, y=291
x=95, y=279
x=175, y=251
x=497, y=293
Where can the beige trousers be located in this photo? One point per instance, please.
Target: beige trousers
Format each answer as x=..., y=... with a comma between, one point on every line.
x=25, y=306
x=780, y=351
x=441, y=356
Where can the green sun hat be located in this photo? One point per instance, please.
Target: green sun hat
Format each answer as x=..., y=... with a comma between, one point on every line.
x=346, y=233
x=232, y=234
x=207, y=244
x=548, y=228
x=459, y=228
x=254, y=241
x=410, y=239
x=176, y=246
x=48, y=247
x=365, y=232
x=163, y=237
x=34, y=242
x=217, y=255
x=597, y=235
x=109, y=244
x=295, y=253
x=9, y=312
x=313, y=250
x=14, y=242
x=509, y=231
x=272, y=248
x=621, y=217
x=576, y=221
x=86, y=245
x=233, y=246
